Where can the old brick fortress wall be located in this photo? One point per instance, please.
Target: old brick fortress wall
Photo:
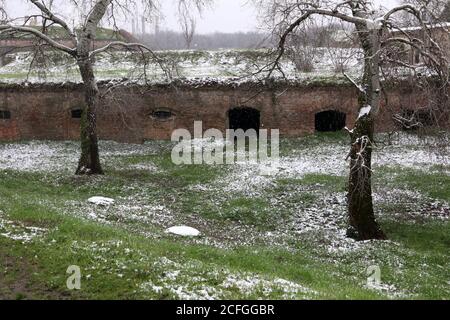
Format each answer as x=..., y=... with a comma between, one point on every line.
x=137, y=114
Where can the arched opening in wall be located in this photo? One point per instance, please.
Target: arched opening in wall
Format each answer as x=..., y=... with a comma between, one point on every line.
x=162, y=115
x=5, y=114
x=244, y=118
x=76, y=113
x=161, y=124
x=330, y=121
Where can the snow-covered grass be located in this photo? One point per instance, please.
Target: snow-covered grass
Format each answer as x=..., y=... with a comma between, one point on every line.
x=224, y=66
x=280, y=236
x=18, y=231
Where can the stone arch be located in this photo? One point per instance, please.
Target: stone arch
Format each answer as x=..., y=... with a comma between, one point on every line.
x=72, y=117
x=330, y=120
x=8, y=125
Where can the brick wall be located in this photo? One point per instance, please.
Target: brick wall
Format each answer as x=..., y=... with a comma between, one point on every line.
x=44, y=111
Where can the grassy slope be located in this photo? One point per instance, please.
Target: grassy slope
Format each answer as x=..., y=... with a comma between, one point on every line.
x=219, y=65
x=130, y=258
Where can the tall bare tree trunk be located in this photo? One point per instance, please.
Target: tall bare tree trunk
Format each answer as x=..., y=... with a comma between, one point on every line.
x=362, y=222
x=89, y=162
x=363, y=225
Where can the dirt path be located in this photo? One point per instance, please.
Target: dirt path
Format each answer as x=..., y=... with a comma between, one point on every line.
x=16, y=279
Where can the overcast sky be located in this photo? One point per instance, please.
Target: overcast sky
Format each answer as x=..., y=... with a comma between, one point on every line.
x=224, y=16
x=232, y=16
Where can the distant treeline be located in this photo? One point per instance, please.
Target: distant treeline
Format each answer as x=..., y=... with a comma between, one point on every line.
x=171, y=40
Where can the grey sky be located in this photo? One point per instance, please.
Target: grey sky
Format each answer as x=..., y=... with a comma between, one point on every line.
x=224, y=16
x=234, y=15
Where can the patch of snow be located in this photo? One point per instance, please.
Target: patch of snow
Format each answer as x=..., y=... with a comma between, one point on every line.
x=197, y=67
x=418, y=159
x=439, y=25
x=390, y=290
x=38, y=156
x=364, y=111
x=101, y=201
x=190, y=281
x=55, y=156
x=129, y=210
x=326, y=214
x=18, y=231
x=248, y=284
x=144, y=166
x=184, y=231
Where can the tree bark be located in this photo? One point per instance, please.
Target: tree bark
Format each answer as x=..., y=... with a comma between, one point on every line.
x=362, y=222
x=89, y=162
x=90, y=159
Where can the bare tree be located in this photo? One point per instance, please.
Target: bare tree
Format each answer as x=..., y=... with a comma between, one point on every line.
x=374, y=29
x=187, y=20
x=303, y=47
x=188, y=27
x=311, y=41
x=445, y=14
x=432, y=11
x=82, y=49
x=2, y=11
x=171, y=40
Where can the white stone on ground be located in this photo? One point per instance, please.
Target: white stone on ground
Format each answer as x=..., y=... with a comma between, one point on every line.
x=101, y=201
x=184, y=231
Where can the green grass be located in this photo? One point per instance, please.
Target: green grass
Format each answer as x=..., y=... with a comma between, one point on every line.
x=435, y=185
x=427, y=247
x=343, y=281
x=56, y=254
x=117, y=257
x=330, y=182
x=293, y=145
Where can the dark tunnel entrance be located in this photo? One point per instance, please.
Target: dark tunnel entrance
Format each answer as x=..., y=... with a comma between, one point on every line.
x=245, y=119
x=330, y=121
